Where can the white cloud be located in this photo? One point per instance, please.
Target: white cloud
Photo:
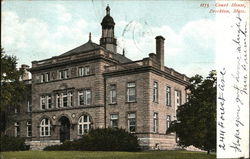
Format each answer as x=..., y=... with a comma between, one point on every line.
x=34, y=37
x=62, y=13
x=202, y=31
x=188, y=51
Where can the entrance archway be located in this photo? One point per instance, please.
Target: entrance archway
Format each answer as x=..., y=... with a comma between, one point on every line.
x=64, y=129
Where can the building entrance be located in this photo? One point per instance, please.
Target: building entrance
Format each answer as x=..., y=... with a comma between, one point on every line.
x=64, y=129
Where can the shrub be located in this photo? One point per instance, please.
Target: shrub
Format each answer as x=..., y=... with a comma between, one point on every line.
x=101, y=140
x=8, y=143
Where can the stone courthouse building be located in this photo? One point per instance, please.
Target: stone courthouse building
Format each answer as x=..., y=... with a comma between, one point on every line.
x=94, y=86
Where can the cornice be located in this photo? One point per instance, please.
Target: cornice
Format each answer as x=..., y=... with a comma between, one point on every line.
x=145, y=69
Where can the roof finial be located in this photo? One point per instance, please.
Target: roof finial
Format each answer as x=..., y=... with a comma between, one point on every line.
x=107, y=10
x=123, y=52
x=89, y=36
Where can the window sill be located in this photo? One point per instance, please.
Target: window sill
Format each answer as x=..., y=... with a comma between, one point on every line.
x=46, y=136
x=86, y=105
x=132, y=132
x=112, y=103
x=84, y=75
x=130, y=102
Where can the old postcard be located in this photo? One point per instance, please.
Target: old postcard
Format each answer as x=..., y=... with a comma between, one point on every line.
x=125, y=75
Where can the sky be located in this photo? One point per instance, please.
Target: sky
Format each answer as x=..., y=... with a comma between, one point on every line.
x=36, y=30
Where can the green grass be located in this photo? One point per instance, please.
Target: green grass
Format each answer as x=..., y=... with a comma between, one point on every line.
x=105, y=155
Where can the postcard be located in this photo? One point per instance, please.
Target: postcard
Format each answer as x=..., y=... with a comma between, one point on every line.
x=91, y=65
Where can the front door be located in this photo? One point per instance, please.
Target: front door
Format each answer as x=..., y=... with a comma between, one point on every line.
x=64, y=129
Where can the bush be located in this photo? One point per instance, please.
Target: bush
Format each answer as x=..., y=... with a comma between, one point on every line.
x=8, y=143
x=101, y=140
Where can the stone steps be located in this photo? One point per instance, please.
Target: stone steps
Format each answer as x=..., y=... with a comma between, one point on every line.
x=40, y=145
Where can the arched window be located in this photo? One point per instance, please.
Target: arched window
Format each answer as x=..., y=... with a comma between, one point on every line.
x=45, y=127
x=84, y=124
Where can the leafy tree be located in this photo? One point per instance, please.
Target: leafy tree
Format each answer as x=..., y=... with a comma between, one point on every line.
x=196, y=119
x=12, y=88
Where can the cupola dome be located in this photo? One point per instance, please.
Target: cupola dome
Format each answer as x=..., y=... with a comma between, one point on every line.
x=107, y=21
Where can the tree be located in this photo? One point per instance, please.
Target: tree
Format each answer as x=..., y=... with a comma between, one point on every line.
x=12, y=88
x=196, y=119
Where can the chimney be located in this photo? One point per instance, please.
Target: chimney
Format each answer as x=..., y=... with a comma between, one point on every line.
x=160, y=50
x=25, y=75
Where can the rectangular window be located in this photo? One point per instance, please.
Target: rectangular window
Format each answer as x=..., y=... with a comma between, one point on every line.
x=60, y=74
x=29, y=129
x=155, y=123
x=42, y=78
x=66, y=75
x=63, y=74
x=58, y=100
x=49, y=102
x=177, y=98
x=29, y=107
x=131, y=96
x=131, y=122
x=47, y=77
x=42, y=102
x=80, y=98
x=168, y=122
x=87, y=71
x=112, y=93
x=88, y=96
x=81, y=71
x=114, y=120
x=70, y=99
x=65, y=99
x=17, y=129
x=187, y=97
x=168, y=96
x=84, y=97
x=155, y=92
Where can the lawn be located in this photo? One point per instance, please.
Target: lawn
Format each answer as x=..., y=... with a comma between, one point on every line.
x=105, y=155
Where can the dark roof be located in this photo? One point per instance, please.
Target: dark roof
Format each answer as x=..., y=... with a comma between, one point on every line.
x=121, y=58
x=108, y=22
x=89, y=46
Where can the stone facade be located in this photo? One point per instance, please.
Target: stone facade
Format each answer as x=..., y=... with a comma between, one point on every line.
x=93, y=86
